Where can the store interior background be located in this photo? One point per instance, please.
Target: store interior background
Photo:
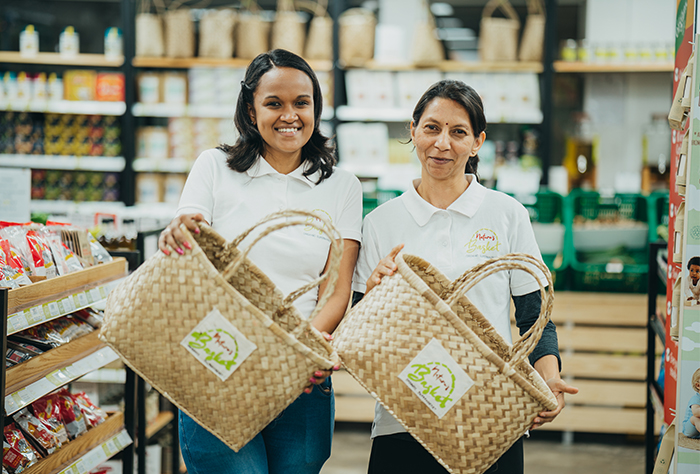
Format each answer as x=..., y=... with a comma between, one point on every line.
x=617, y=119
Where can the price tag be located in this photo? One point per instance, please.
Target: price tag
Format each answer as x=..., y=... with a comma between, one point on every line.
x=103, y=292
x=47, y=312
x=65, y=305
x=105, y=448
x=18, y=321
x=95, y=295
x=37, y=314
x=53, y=309
x=112, y=449
x=82, y=300
x=80, y=467
x=57, y=377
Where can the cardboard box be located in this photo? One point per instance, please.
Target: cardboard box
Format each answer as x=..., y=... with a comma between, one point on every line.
x=79, y=84
x=110, y=87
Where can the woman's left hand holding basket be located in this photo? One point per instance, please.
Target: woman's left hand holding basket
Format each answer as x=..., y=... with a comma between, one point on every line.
x=548, y=367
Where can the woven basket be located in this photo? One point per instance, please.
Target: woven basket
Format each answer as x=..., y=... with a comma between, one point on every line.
x=216, y=34
x=356, y=29
x=288, y=29
x=532, y=42
x=498, y=37
x=159, y=314
x=179, y=34
x=319, y=41
x=418, y=320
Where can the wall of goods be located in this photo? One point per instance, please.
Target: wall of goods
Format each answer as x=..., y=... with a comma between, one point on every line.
x=119, y=114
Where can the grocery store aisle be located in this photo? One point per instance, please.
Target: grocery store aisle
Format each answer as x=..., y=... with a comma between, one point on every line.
x=351, y=453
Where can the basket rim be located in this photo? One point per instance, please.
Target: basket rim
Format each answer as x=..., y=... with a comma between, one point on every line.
x=461, y=327
x=209, y=268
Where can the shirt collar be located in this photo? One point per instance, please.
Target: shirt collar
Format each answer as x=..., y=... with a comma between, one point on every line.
x=261, y=168
x=467, y=204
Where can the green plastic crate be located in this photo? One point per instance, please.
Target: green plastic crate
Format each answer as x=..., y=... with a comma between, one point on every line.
x=658, y=215
x=613, y=269
x=370, y=201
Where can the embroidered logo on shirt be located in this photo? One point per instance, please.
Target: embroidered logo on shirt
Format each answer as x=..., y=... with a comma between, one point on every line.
x=484, y=240
x=319, y=222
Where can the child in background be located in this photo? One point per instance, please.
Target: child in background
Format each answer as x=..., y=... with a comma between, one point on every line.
x=691, y=422
x=693, y=290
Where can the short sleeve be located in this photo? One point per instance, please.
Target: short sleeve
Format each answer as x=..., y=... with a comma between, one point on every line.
x=369, y=257
x=349, y=222
x=523, y=241
x=198, y=192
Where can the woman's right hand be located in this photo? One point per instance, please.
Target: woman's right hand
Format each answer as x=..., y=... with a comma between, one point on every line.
x=385, y=267
x=172, y=237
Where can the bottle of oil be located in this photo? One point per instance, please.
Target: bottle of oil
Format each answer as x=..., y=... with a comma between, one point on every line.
x=580, y=157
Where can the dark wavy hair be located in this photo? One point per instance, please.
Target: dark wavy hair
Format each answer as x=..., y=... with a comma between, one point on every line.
x=243, y=154
x=465, y=96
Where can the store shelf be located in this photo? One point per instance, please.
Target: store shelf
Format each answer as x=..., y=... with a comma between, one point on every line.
x=186, y=63
x=40, y=366
x=96, y=60
x=87, y=451
x=50, y=299
x=455, y=66
x=25, y=396
x=59, y=162
x=162, y=165
x=577, y=66
x=81, y=107
x=105, y=375
x=348, y=113
x=196, y=111
x=159, y=423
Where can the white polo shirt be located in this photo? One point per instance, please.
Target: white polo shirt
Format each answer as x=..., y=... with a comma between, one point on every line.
x=232, y=202
x=479, y=225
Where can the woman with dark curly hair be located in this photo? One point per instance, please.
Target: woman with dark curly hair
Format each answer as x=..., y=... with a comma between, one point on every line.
x=280, y=161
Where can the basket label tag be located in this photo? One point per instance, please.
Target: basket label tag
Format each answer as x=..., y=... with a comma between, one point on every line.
x=436, y=378
x=218, y=345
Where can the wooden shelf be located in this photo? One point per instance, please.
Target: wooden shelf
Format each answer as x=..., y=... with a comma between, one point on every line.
x=577, y=66
x=455, y=66
x=186, y=63
x=36, y=294
x=80, y=107
x=96, y=60
x=59, y=162
x=82, y=445
x=42, y=365
x=159, y=423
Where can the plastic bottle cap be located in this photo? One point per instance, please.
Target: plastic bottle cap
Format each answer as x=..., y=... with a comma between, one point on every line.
x=29, y=29
x=69, y=30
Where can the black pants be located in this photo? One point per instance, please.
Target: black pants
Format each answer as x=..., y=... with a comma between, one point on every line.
x=400, y=453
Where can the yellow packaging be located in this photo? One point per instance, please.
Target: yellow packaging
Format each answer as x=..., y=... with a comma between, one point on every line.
x=79, y=84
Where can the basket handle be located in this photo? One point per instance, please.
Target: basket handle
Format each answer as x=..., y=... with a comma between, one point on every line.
x=333, y=262
x=505, y=7
x=513, y=261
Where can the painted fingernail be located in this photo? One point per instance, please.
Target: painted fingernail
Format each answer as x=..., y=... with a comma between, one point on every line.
x=337, y=367
x=166, y=252
x=180, y=251
x=307, y=390
x=312, y=380
x=187, y=245
x=318, y=373
x=196, y=231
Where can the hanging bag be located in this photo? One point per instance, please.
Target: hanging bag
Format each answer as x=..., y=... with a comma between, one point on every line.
x=498, y=37
x=319, y=42
x=215, y=336
x=288, y=29
x=149, y=30
x=252, y=32
x=356, y=36
x=179, y=32
x=422, y=349
x=532, y=42
x=216, y=34
x=427, y=48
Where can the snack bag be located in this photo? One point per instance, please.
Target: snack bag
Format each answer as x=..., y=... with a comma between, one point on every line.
x=49, y=413
x=16, y=356
x=71, y=414
x=36, y=429
x=15, y=235
x=99, y=253
x=23, y=454
x=70, y=327
x=41, y=254
x=65, y=259
x=11, y=270
x=91, y=316
x=44, y=334
x=93, y=414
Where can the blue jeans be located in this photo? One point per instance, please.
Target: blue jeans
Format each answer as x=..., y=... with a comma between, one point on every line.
x=298, y=441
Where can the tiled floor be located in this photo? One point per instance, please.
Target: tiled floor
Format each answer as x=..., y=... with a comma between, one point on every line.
x=351, y=452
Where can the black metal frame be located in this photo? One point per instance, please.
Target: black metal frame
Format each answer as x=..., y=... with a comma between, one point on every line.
x=655, y=328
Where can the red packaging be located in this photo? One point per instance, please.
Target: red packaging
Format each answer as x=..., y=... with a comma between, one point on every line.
x=18, y=454
x=93, y=414
x=41, y=253
x=71, y=414
x=36, y=429
x=49, y=413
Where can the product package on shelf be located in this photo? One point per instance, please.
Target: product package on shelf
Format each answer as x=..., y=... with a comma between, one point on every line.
x=370, y=89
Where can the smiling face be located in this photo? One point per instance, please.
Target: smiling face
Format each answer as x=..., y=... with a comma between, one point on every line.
x=284, y=115
x=444, y=140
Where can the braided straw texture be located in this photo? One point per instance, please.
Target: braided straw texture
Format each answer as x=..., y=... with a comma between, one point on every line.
x=154, y=309
x=394, y=322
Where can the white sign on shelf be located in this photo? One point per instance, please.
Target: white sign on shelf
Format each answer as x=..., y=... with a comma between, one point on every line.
x=15, y=194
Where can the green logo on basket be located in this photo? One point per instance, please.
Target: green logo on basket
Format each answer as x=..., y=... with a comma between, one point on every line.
x=437, y=381
x=220, y=346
